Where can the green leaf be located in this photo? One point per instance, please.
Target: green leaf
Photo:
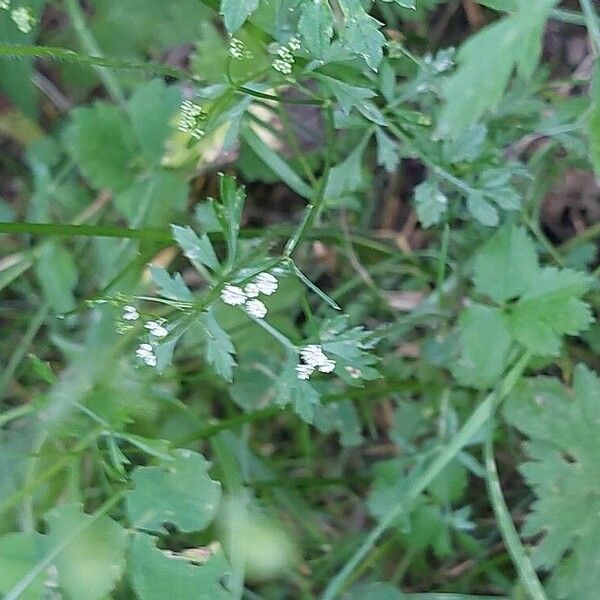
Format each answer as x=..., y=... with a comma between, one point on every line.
x=316, y=27
x=100, y=140
x=563, y=428
x=19, y=553
x=93, y=561
x=151, y=108
x=170, y=286
x=219, y=350
x=361, y=33
x=430, y=202
x=57, y=273
x=388, y=155
x=346, y=177
x=549, y=308
x=235, y=12
x=512, y=42
x=481, y=209
x=354, y=96
x=228, y=210
x=412, y=4
x=505, y=265
x=179, y=493
x=485, y=342
x=157, y=574
x=198, y=250
x=341, y=417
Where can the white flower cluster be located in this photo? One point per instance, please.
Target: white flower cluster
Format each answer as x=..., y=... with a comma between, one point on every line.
x=312, y=358
x=4, y=4
x=263, y=283
x=157, y=328
x=192, y=115
x=22, y=17
x=145, y=352
x=237, y=49
x=130, y=313
x=285, y=61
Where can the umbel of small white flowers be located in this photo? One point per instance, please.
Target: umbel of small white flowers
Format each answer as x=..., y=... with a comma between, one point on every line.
x=192, y=115
x=285, y=61
x=157, y=328
x=146, y=353
x=312, y=358
x=263, y=283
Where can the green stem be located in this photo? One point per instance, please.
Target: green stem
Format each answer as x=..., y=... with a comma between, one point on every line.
x=16, y=413
x=21, y=349
x=591, y=21
x=480, y=416
x=526, y=572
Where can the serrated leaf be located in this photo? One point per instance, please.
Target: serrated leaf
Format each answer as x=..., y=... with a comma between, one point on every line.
x=482, y=210
x=151, y=108
x=57, y=273
x=19, y=553
x=170, y=286
x=316, y=27
x=564, y=460
x=512, y=42
x=228, y=210
x=485, y=342
x=219, y=350
x=100, y=140
x=235, y=12
x=93, y=561
x=361, y=33
x=505, y=265
x=550, y=308
x=198, y=250
x=179, y=492
x=158, y=574
x=431, y=203
x=346, y=177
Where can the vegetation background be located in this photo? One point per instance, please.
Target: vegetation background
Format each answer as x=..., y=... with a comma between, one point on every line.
x=298, y=299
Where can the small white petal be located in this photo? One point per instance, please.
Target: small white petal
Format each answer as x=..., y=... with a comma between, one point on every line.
x=328, y=366
x=233, y=295
x=251, y=290
x=256, y=308
x=151, y=360
x=304, y=371
x=266, y=283
x=313, y=355
x=131, y=316
x=156, y=329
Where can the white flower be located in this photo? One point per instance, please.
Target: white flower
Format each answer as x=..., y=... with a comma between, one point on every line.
x=145, y=352
x=233, y=295
x=23, y=19
x=282, y=66
x=313, y=355
x=5, y=4
x=251, y=290
x=256, y=309
x=266, y=283
x=236, y=48
x=327, y=366
x=192, y=115
x=157, y=329
x=130, y=313
x=304, y=371
x=294, y=44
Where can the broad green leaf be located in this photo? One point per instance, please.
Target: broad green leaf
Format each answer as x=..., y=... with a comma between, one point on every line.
x=485, y=342
x=57, y=274
x=94, y=560
x=19, y=553
x=505, y=265
x=316, y=27
x=151, y=107
x=549, y=308
x=158, y=574
x=198, y=250
x=430, y=202
x=235, y=12
x=563, y=429
x=512, y=42
x=361, y=33
x=481, y=209
x=170, y=286
x=100, y=140
x=179, y=493
x=219, y=349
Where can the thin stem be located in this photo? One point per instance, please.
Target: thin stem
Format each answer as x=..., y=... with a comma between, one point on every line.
x=525, y=569
x=90, y=45
x=480, y=416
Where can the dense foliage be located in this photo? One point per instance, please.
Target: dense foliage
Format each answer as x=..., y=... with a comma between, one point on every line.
x=282, y=313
